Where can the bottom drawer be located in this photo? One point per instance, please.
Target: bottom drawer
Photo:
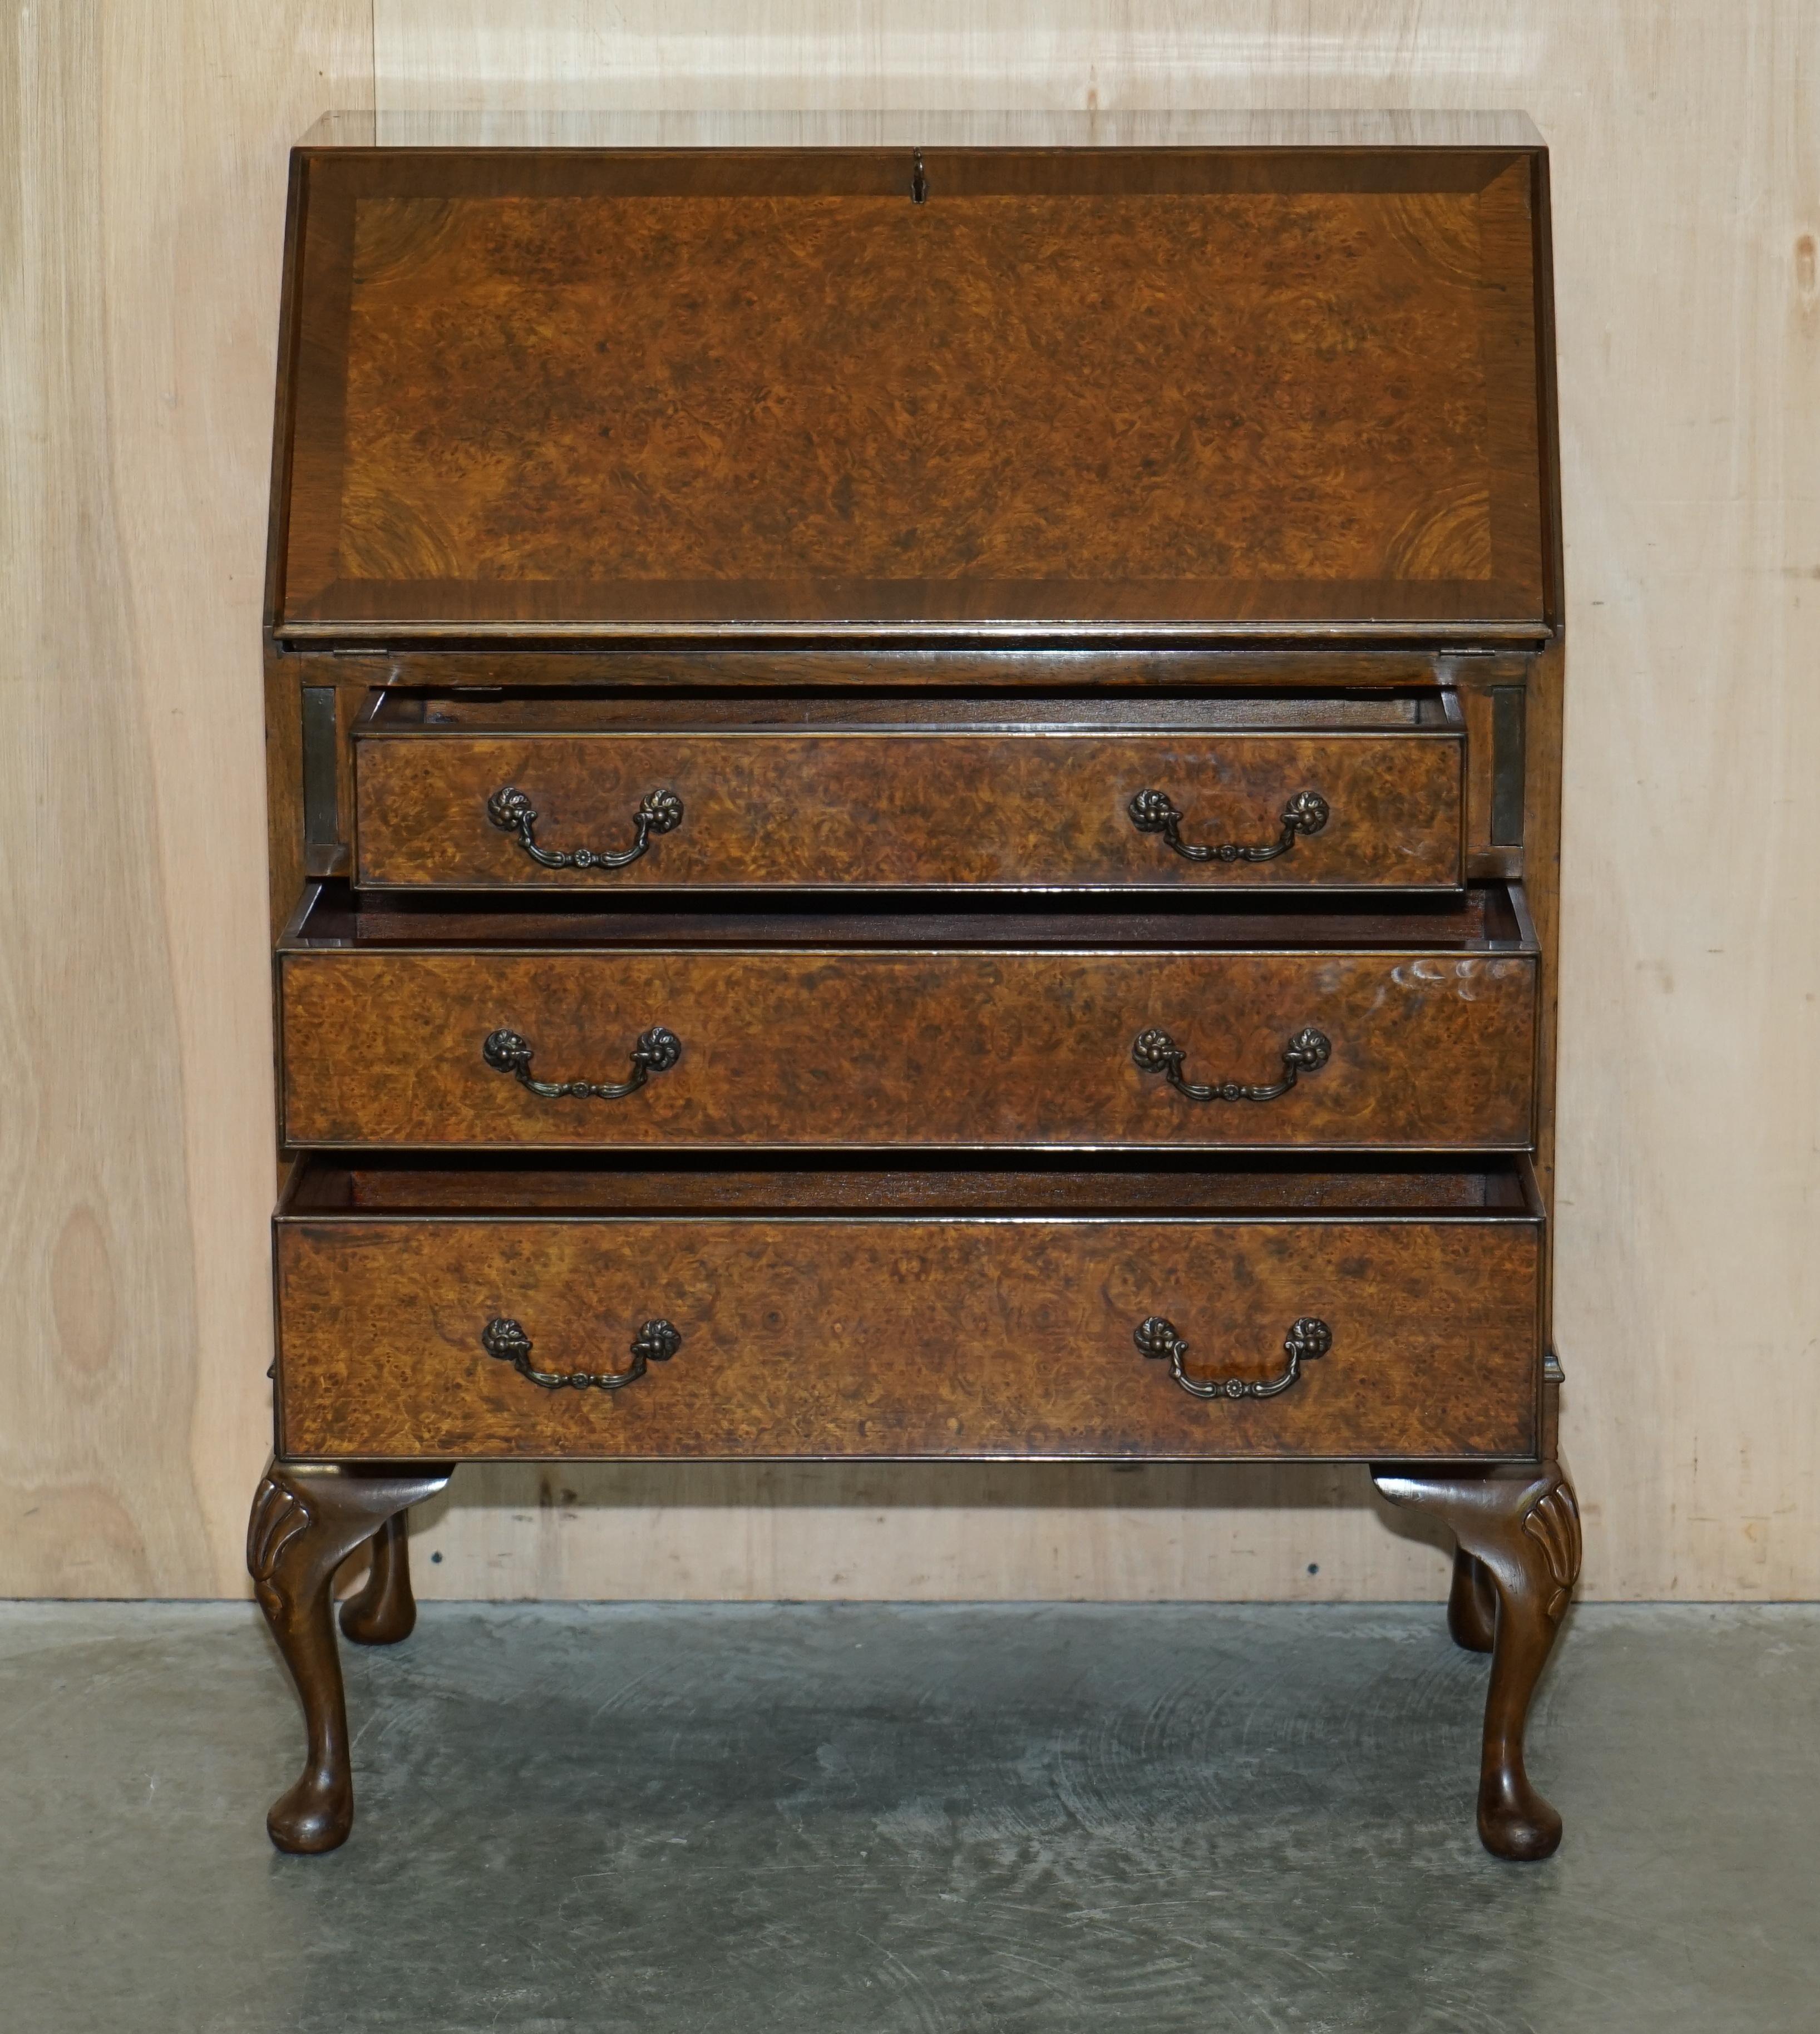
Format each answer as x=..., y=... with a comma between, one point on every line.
x=610, y=1311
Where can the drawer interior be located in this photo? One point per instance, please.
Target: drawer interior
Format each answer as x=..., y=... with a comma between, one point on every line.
x=805, y=1185
x=514, y=710
x=1484, y=917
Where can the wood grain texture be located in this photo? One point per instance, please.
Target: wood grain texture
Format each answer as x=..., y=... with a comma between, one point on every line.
x=1686, y=214
x=876, y=1338
x=901, y=811
x=141, y=194
x=907, y=1050
x=739, y=388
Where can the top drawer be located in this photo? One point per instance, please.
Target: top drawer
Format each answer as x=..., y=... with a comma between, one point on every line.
x=1331, y=794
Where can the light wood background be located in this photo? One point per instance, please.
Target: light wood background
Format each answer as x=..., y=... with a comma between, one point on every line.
x=140, y=208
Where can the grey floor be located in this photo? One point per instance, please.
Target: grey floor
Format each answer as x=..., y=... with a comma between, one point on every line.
x=1009, y=1820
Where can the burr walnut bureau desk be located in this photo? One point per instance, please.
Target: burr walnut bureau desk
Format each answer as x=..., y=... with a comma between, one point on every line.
x=914, y=817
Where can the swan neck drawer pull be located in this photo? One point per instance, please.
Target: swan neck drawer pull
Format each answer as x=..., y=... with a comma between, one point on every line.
x=1308, y=1339
x=1152, y=812
x=1157, y=1052
x=657, y=1341
x=512, y=813
x=656, y=1052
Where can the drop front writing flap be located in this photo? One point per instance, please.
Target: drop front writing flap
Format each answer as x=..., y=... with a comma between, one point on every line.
x=978, y=396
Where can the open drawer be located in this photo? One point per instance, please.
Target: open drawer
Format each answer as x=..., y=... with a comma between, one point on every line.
x=605, y=795
x=513, y=1027
x=1284, y=1311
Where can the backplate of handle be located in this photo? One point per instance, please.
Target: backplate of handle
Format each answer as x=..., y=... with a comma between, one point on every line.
x=656, y=1052
x=657, y=1341
x=1156, y=1053
x=512, y=813
x=1306, y=1339
x=1154, y=811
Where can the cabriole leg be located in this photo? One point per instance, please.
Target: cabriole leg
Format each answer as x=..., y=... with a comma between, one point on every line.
x=1521, y=1526
x=384, y=1611
x=307, y=1518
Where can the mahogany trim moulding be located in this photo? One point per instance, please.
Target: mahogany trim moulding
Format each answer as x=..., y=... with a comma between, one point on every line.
x=975, y=702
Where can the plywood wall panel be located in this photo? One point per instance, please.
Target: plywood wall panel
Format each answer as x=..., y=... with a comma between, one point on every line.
x=142, y=208
x=1690, y=1110
x=202, y=102
x=1684, y=153
x=143, y=205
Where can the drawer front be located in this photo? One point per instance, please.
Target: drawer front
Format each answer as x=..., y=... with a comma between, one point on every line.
x=875, y=1049
x=877, y=1337
x=752, y=810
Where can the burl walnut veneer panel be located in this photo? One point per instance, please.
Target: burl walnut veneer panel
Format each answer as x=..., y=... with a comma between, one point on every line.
x=938, y=1048
x=891, y=1338
x=739, y=391
x=899, y=809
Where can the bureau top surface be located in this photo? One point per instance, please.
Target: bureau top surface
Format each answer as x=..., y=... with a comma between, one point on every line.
x=1041, y=395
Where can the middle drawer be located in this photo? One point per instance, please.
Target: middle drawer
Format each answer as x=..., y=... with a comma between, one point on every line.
x=1193, y=1031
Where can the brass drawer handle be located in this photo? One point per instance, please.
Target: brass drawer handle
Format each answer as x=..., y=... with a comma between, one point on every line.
x=656, y=1052
x=1151, y=812
x=657, y=1341
x=1308, y=1338
x=1157, y=1052
x=512, y=813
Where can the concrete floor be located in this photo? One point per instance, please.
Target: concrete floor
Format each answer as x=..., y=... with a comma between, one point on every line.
x=867, y=1820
